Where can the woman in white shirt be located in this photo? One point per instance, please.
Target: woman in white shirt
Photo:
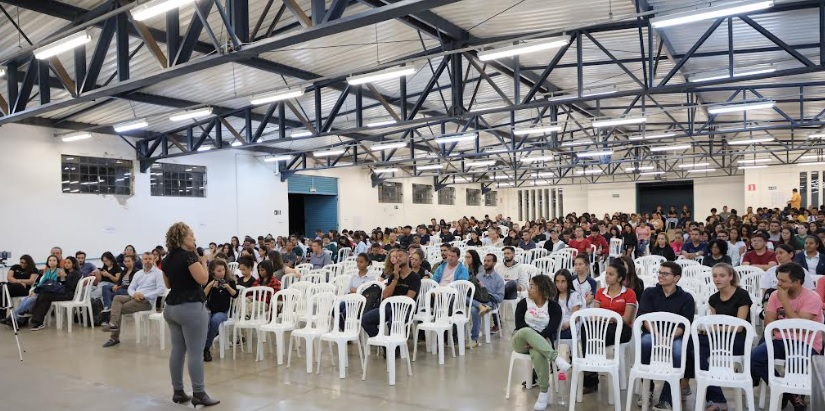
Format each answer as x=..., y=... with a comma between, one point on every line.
x=568, y=299
x=736, y=247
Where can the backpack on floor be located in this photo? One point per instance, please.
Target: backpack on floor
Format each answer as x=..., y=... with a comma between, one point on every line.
x=97, y=311
x=373, y=295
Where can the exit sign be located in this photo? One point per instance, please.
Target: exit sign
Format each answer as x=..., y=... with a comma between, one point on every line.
x=751, y=187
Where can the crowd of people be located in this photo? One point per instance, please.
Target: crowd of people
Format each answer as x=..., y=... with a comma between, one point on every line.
x=785, y=243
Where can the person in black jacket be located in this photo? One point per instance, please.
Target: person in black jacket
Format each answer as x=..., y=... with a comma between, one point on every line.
x=669, y=297
x=69, y=277
x=662, y=247
x=537, y=321
x=219, y=294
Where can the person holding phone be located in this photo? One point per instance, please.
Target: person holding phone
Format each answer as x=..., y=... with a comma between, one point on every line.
x=402, y=281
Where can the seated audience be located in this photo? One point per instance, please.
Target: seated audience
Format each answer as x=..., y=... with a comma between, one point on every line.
x=86, y=268
x=485, y=277
x=377, y=253
x=811, y=258
x=554, y=243
x=582, y=281
x=266, y=278
x=515, y=278
x=21, y=277
x=568, y=299
x=51, y=273
x=245, y=266
x=717, y=253
x=452, y=269
x=107, y=277
x=580, y=243
x=129, y=250
x=67, y=277
x=318, y=258
x=526, y=243
x=695, y=247
x=219, y=291
x=760, y=256
x=662, y=247
x=784, y=254
x=362, y=262
x=402, y=281
x=417, y=260
x=146, y=285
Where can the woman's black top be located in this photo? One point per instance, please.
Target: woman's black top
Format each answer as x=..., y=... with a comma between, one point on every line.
x=474, y=243
x=247, y=284
x=709, y=261
x=219, y=299
x=113, y=270
x=19, y=273
x=666, y=252
x=183, y=287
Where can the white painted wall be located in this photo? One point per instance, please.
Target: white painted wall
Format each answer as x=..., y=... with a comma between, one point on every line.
x=601, y=200
x=242, y=193
x=358, y=205
x=717, y=192
x=772, y=186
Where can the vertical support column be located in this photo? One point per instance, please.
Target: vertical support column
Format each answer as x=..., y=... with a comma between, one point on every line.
x=554, y=118
x=403, y=92
x=43, y=81
x=318, y=11
x=457, y=85
x=172, y=35
x=579, y=65
x=122, y=44
x=247, y=124
x=79, y=68
x=318, y=123
x=359, y=106
x=730, y=46
x=13, y=88
x=281, y=120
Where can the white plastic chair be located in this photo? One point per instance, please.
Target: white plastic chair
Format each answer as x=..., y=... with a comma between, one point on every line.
x=437, y=319
x=343, y=253
x=82, y=302
x=461, y=310
x=594, y=323
x=798, y=339
x=341, y=285
x=528, y=376
x=314, y=278
x=616, y=245
x=660, y=368
x=234, y=314
x=320, y=307
x=545, y=265
x=354, y=306
x=698, y=272
x=280, y=324
x=252, y=314
x=396, y=335
x=649, y=265
x=287, y=280
x=156, y=317
x=683, y=262
x=233, y=266
x=721, y=332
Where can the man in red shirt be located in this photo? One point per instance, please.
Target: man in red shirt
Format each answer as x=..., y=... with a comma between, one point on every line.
x=580, y=242
x=602, y=247
x=760, y=256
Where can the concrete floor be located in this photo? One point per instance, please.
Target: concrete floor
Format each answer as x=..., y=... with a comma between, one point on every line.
x=72, y=371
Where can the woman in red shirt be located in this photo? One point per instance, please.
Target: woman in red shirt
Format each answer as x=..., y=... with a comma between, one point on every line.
x=580, y=243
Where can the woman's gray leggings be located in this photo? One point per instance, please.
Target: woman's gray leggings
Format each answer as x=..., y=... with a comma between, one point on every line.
x=188, y=323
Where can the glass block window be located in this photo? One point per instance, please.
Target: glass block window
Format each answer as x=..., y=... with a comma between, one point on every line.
x=95, y=175
x=473, y=197
x=177, y=180
x=390, y=193
x=446, y=196
x=422, y=194
x=491, y=199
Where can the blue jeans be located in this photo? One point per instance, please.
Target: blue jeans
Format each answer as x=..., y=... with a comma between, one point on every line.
x=476, y=318
x=109, y=295
x=647, y=344
x=715, y=394
x=759, y=360
x=215, y=321
x=25, y=305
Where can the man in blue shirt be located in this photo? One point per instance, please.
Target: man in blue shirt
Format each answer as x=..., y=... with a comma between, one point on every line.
x=145, y=287
x=425, y=237
x=494, y=284
x=695, y=247
x=85, y=267
x=526, y=243
x=318, y=258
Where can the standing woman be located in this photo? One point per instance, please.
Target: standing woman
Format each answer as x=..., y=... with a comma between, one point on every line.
x=184, y=273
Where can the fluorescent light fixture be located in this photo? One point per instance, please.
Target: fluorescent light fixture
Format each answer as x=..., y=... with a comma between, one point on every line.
x=505, y=184
x=305, y=133
x=600, y=91
x=502, y=177
x=430, y=167
x=280, y=96
x=482, y=163
x=709, y=13
x=818, y=163
x=543, y=174
x=156, y=7
x=204, y=148
x=461, y=179
x=456, y=139
x=76, y=137
x=388, y=74
x=595, y=153
x=132, y=125
x=652, y=173
x=694, y=165
x=735, y=74
x=816, y=135
x=2, y=72
x=750, y=141
x=810, y=157
x=619, y=122
x=381, y=123
x=385, y=170
x=329, y=153
x=655, y=136
x=278, y=158
x=191, y=114
x=670, y=148
x=641, y=168
x=536, y=159
x=702, y=170
x=751, y=167
x=524, y=48
x=388, y=146
x=580, y=142
x=63, y=45
x=536, y=130
x=588, y=172
x=733, y=108
x=236, y=143
x=754, y=161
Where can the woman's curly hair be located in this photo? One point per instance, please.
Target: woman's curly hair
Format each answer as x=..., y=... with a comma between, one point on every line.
x=175, y=235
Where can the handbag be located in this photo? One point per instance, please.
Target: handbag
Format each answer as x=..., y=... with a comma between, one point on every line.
x=50, y=287
x=481, y=295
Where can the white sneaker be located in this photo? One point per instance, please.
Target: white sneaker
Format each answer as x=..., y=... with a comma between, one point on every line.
x=541, y=403
x=562, y=364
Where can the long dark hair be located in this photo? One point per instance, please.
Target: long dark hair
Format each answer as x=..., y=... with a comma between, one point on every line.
x=632, y=279
x=108, y=255
x=267, y=267
x=570, y=288
x=75, y=264
x=476, y=262
x=31, y=268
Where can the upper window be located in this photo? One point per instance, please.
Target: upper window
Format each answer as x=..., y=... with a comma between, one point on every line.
x=177, y=180
x=446, y=196
x=422, y=194
x=491, y=198
x=473, y=197
x=93, y=175
x=390, y=193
